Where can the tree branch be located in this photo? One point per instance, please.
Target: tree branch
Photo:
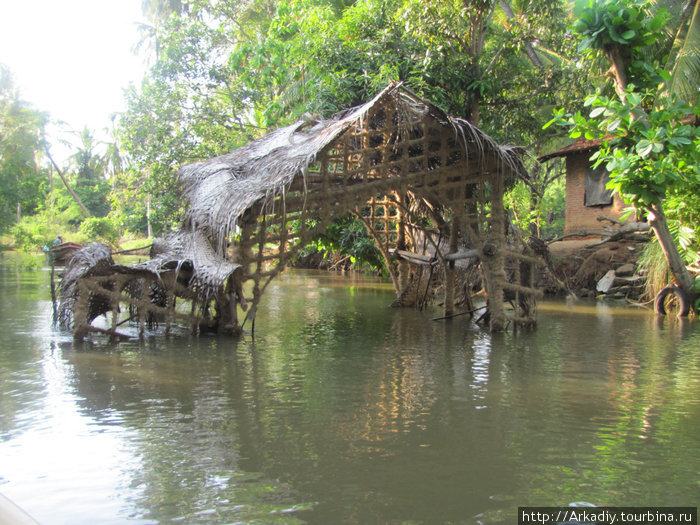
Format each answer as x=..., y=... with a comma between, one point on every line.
x=65, y=182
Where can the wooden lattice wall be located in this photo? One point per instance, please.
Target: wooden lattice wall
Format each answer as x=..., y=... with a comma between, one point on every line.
x=394, y=172
x=402, y=169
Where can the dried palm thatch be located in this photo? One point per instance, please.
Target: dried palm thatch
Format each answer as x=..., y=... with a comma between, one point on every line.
x=181, y=265
x=209, y=271
x=93, y=260
x=221, y=189
x=397, y=162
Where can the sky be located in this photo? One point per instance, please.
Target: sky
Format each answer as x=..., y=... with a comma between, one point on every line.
x=72, y=58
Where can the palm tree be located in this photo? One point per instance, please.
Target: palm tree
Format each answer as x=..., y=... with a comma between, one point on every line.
x=684, y=59
x=157, y=12
x=21, y=139
x=90, y=170
x=114, y=160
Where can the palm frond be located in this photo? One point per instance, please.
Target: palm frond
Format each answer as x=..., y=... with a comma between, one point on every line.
x=684, y=60
x=549, y=57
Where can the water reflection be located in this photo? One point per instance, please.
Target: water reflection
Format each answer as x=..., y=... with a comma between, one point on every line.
x=342, y=410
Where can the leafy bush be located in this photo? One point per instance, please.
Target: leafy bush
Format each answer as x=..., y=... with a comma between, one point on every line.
x=553, y=208
x=347, y=235
x=33, y=232
x=544, y=218
x=100, y=229
x=653, y=260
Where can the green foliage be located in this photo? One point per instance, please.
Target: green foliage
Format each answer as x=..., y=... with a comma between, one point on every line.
x=553, y=208
x=90, y=177
x=649, y=141
x=226, y=72
x=653, y=260
x=128, y=207
x=100, y=229
x=606, y=23
x=318, y=59
x=21, y=138
x=650, y=144
x=543, y=215
x=188, y=108
x=649, y=156
x=348, y=236
x=34, y=231
x=652, y=157
x=537, y=206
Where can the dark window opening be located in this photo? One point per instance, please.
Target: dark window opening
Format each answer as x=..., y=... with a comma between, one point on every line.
x=596, y=192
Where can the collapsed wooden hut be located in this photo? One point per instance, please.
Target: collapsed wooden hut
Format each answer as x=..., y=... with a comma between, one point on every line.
x=428, y=187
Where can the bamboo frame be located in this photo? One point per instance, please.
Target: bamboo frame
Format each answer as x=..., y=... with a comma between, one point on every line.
x=397, y=157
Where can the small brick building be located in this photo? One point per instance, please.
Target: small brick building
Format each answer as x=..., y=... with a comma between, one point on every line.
x=587, y=198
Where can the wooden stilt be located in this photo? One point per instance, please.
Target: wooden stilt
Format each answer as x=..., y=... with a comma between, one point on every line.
x=450, y=266
x=54, y=316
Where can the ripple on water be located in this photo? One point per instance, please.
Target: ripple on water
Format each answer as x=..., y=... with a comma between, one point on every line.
x=343, y=410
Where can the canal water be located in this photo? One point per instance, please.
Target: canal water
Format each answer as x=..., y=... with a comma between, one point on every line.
x=342, y=410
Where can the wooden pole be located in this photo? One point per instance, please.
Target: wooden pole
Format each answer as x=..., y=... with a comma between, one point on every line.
x=53, y=290
x=494, y=258
x=450, y=265
x=70, y=190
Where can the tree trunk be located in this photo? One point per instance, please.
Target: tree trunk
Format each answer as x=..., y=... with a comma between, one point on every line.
x=618, y=68
x=531, y=54
x=149, y=232
x=70, y=190
x=678, y=269
x=474, y=109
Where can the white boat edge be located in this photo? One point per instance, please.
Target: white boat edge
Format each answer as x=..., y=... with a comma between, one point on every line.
x=11, y=514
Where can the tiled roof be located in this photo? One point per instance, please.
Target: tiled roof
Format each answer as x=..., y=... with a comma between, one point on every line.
x=578, y=146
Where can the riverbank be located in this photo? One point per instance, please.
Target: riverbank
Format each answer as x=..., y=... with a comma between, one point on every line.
x=577, y=264
x=590, y=268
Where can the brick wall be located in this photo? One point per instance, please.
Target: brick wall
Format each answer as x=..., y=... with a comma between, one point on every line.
x=578, y=216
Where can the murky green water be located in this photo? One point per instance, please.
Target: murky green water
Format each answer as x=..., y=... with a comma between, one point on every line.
x=342, y=410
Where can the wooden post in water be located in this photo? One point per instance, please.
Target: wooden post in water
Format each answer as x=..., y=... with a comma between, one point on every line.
x=450, y=265
x=53, y=290
x=493, y=257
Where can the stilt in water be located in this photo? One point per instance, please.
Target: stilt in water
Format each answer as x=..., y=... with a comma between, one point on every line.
x=53, y=293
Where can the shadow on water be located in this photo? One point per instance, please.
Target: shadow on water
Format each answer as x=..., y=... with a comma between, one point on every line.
x=341, y=410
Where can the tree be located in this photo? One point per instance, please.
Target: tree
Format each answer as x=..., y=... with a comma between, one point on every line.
x=650, y=141
x=70, y=190
x=90, y=178
x=190, y=106
x=683, y=60
x=228, y=71
x=464, y=56
x=157, y=11
x=21, y=140
x=114, y=159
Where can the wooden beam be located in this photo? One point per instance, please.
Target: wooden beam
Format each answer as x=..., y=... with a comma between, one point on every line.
x=462, y=254
x=415, y=258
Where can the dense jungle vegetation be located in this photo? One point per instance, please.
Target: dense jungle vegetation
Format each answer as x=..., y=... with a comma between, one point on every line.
x=223, y=73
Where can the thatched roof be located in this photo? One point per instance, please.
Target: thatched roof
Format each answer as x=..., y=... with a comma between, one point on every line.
x=394, y=146
x=220, y=189
x=193, y=248
x=187, y=250
x=94, y=260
